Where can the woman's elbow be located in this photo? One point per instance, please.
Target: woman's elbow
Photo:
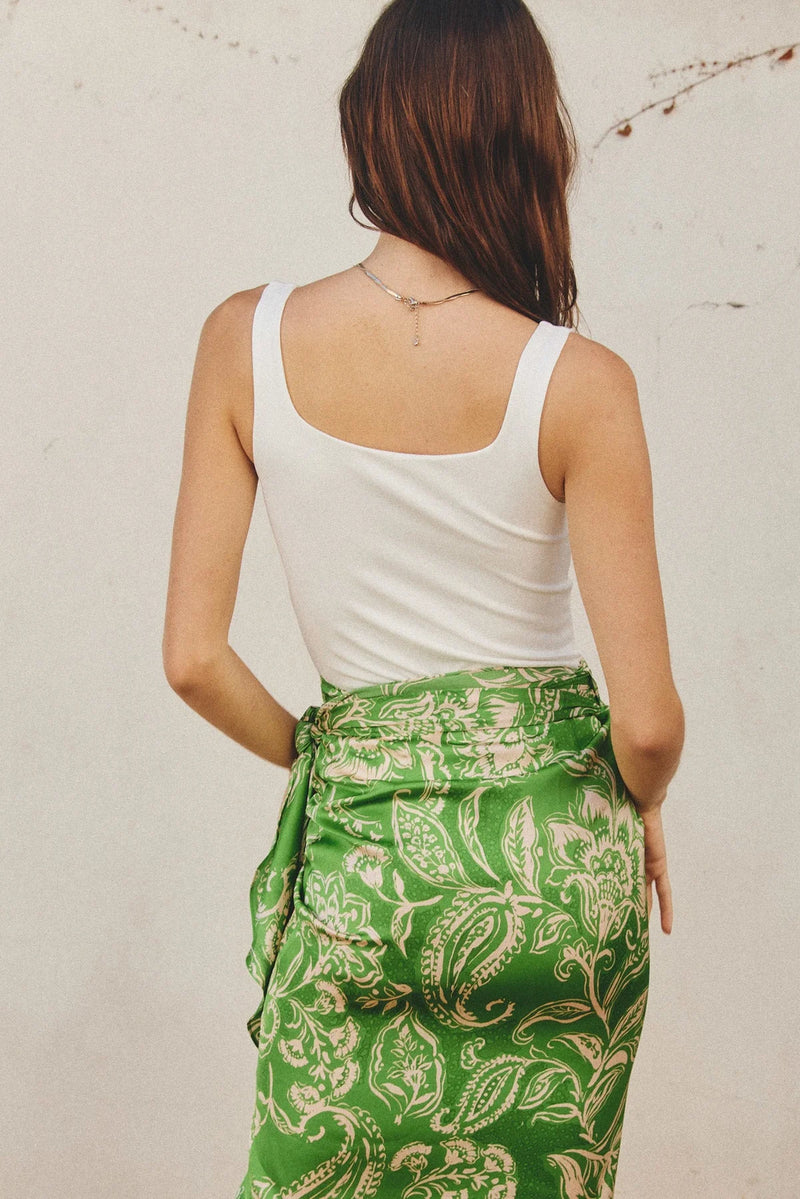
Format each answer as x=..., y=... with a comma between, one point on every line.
x=661, y=735
x=185, y=666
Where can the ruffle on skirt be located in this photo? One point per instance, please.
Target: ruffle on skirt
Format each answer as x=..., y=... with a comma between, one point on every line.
x=273, y=885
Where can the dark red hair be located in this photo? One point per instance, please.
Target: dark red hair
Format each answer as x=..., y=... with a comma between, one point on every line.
x=458, y=140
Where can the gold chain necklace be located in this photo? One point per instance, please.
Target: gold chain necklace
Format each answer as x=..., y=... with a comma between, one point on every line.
x=411, y=302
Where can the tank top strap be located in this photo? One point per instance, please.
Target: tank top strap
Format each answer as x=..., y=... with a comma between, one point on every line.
x=266, y=326
x=534, y=372
x=267, y=368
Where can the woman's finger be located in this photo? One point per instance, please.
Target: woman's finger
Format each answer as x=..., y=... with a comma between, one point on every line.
x=656, y=867
x=664, y=890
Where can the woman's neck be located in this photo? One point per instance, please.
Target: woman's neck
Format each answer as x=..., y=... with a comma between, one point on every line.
x=412, y=271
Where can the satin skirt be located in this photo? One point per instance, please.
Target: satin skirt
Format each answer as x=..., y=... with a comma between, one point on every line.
x=450, y=937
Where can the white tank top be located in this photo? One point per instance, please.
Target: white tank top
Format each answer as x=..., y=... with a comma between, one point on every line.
x=401, y=564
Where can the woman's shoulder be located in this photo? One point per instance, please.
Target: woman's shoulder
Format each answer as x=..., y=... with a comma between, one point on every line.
x=227, y=330
x=224, y=356
x=592, y=383
x=592, y=400
x=230, y=322
x=229, y=314
x=587, y=361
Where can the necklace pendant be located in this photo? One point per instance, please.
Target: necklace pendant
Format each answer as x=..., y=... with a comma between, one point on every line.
x=415, y=309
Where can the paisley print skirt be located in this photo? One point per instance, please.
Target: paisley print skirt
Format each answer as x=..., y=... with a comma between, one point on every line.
x=450, y=936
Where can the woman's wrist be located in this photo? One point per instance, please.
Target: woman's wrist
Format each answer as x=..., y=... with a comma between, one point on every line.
x=649, y=805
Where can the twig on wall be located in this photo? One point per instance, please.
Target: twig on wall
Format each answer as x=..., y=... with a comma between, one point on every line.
x=708, y=71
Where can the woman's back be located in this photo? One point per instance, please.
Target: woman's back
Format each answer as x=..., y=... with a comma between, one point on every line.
x=353, y=370
x=402, y=482
x=592, y=450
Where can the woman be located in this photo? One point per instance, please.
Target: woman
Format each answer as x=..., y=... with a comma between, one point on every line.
x=450, y=930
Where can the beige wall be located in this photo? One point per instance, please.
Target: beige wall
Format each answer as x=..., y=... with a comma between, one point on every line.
x=157, y=158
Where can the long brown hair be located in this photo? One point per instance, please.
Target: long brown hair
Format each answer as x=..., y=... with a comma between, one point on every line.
x=458, y=140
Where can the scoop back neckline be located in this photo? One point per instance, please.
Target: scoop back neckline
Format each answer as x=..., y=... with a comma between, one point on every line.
x=372, y=449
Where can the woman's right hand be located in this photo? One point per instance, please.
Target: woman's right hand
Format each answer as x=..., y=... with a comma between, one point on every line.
x=655, y=865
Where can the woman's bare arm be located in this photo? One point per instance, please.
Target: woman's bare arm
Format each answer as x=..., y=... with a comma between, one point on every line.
x=609, y=501
x=214, y=509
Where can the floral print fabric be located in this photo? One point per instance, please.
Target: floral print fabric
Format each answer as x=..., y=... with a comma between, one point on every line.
x=450, y=936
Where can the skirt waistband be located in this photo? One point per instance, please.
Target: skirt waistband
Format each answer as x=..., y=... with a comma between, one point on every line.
x=484, y=697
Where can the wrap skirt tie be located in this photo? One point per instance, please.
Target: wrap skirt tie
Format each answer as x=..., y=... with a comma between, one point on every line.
x=450, y=936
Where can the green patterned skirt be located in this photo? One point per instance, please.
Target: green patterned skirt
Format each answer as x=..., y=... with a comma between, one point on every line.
x=450, y=934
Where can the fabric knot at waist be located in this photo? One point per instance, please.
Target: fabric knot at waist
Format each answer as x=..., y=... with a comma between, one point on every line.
x=307, y=731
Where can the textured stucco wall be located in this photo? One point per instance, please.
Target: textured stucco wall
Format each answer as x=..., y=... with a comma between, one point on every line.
x=158, y=157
